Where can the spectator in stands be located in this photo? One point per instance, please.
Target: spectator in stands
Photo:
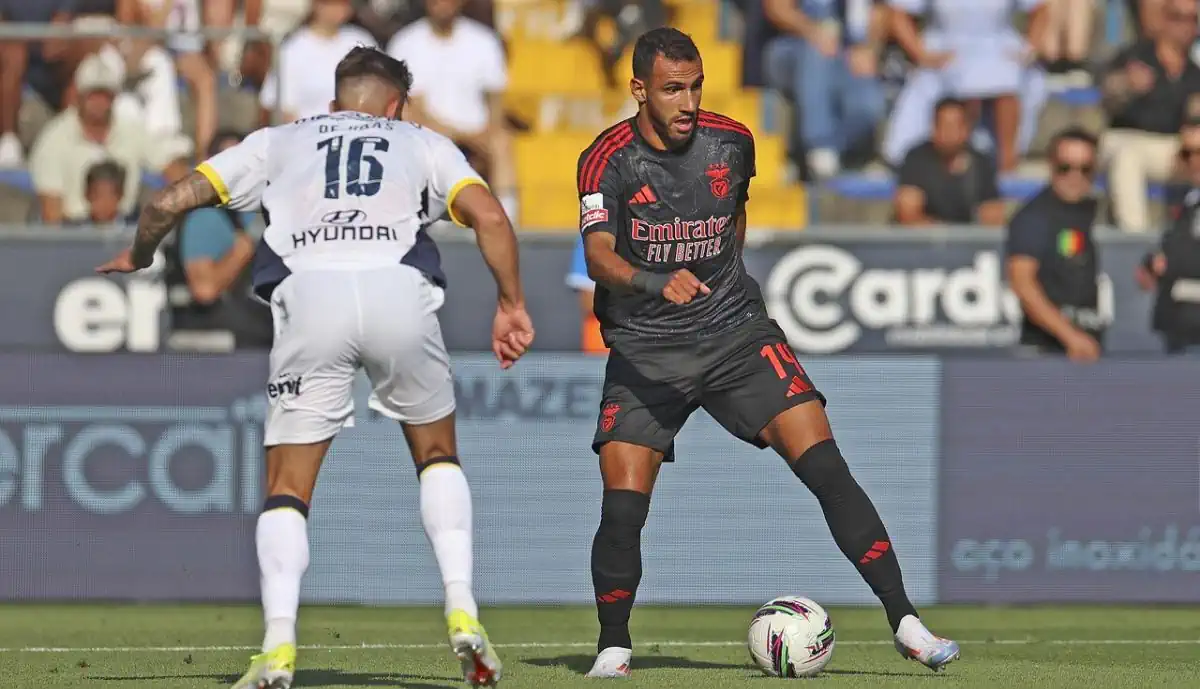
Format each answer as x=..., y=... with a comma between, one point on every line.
x=277, y=18
x=208, y=283
x=301, y=85
x=383, y=18
x=150, y=90
x=183, y=18
x=1051, y=258
x=590, y=340
x=969, y=51
x=459, y=78
x=631, y=18
x=33, y=62
x=1148, y=90
x=105, y=186
x=825, y=63
x=92, y=131
x=1148, y=17
x=945, y=180
x=1067, y=38
x=1173, y=268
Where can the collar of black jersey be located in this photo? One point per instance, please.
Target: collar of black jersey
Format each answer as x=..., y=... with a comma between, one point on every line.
x=647, y=146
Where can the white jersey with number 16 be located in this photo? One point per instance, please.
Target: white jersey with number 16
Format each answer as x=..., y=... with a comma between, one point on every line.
x=342, y=191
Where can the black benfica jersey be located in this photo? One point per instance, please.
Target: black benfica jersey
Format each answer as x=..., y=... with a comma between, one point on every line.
x=670, y=210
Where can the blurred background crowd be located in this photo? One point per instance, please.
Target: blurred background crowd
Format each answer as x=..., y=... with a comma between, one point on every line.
x=861, y=109
x=848, y=98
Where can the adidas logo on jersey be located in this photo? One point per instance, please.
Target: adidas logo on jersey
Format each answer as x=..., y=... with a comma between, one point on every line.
x=644, y=195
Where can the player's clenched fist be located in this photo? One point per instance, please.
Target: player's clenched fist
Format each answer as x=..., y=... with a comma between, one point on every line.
x=512, y=334
x=683, y=287
x=679, y=287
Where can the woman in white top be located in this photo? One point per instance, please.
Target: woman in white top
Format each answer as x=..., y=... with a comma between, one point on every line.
x=301, y=83
x=970, y=51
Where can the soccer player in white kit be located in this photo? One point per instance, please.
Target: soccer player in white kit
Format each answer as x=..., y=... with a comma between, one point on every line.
x=353, y=282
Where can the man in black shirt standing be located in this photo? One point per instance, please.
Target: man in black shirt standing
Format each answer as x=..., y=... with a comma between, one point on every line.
x=1051, y=257
x=945, y=180
x=662, y=209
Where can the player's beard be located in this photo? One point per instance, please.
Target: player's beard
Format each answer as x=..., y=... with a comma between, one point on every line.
x=670, y=138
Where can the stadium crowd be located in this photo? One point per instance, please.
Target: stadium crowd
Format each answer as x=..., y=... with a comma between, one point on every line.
x=903, y=112
x=885, y=98
x=82, y=116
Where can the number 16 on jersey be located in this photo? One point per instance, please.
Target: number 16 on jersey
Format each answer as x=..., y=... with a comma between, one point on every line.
x=350, y=167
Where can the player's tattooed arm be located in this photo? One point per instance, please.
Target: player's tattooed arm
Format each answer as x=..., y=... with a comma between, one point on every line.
x=165, y=211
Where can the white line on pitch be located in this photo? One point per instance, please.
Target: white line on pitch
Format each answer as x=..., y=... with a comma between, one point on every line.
x=579, y=644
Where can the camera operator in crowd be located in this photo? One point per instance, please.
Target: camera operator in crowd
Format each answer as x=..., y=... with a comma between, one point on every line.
x=1175, y=267
x=1051, y=258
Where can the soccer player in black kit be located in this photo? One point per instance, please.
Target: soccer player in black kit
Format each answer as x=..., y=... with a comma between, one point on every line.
x=662, y=210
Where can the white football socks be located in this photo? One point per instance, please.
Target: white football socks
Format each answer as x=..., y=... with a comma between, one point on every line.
x=282, y=539
x=446, y=514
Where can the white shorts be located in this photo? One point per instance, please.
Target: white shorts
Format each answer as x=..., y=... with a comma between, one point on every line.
x=331, y=323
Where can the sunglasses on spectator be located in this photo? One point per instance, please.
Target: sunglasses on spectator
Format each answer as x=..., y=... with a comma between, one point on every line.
x=1067, y=168
x=1189, y=152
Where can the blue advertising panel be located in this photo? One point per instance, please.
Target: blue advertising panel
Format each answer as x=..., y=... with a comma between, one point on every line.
x=1062, y=482
x=834, y=291
x=139, y=477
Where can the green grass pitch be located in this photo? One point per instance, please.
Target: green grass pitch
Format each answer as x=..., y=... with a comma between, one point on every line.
x=193, y=647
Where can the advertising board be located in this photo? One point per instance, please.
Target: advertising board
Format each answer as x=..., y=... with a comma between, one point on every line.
x=139, y=477
x=1068, y=483
x=833, y=290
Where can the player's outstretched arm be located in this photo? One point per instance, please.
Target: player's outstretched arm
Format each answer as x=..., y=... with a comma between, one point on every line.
x=512, y=330
x=159, y=217
x=482, y=212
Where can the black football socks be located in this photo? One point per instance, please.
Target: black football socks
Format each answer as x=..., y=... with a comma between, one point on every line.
x=617, y=563
x=855, y=525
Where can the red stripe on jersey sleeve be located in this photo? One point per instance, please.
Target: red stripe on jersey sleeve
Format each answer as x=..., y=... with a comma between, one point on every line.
x=714, y=121
x=597, y=160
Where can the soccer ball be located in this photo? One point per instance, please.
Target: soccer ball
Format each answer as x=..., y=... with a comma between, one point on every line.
x=791, y=636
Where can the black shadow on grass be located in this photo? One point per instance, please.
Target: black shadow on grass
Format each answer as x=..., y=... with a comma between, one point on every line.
x=326, y=678
x=583, y=663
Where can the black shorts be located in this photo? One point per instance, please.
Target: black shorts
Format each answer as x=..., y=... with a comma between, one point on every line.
x=743, y=379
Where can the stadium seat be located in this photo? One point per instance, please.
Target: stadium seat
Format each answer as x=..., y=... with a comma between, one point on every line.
x=700, y=20
x=549, y=158
x=541, y=67
x=777, y=207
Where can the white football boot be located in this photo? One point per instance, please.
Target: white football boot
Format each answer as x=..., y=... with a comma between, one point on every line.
x=612, y=662
x=917, y=643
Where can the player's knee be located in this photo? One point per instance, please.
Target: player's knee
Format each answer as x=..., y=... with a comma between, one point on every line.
x=623, y=514
x=822, y=467
x=286, y=502
x=430, y=441
x=442, y=461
